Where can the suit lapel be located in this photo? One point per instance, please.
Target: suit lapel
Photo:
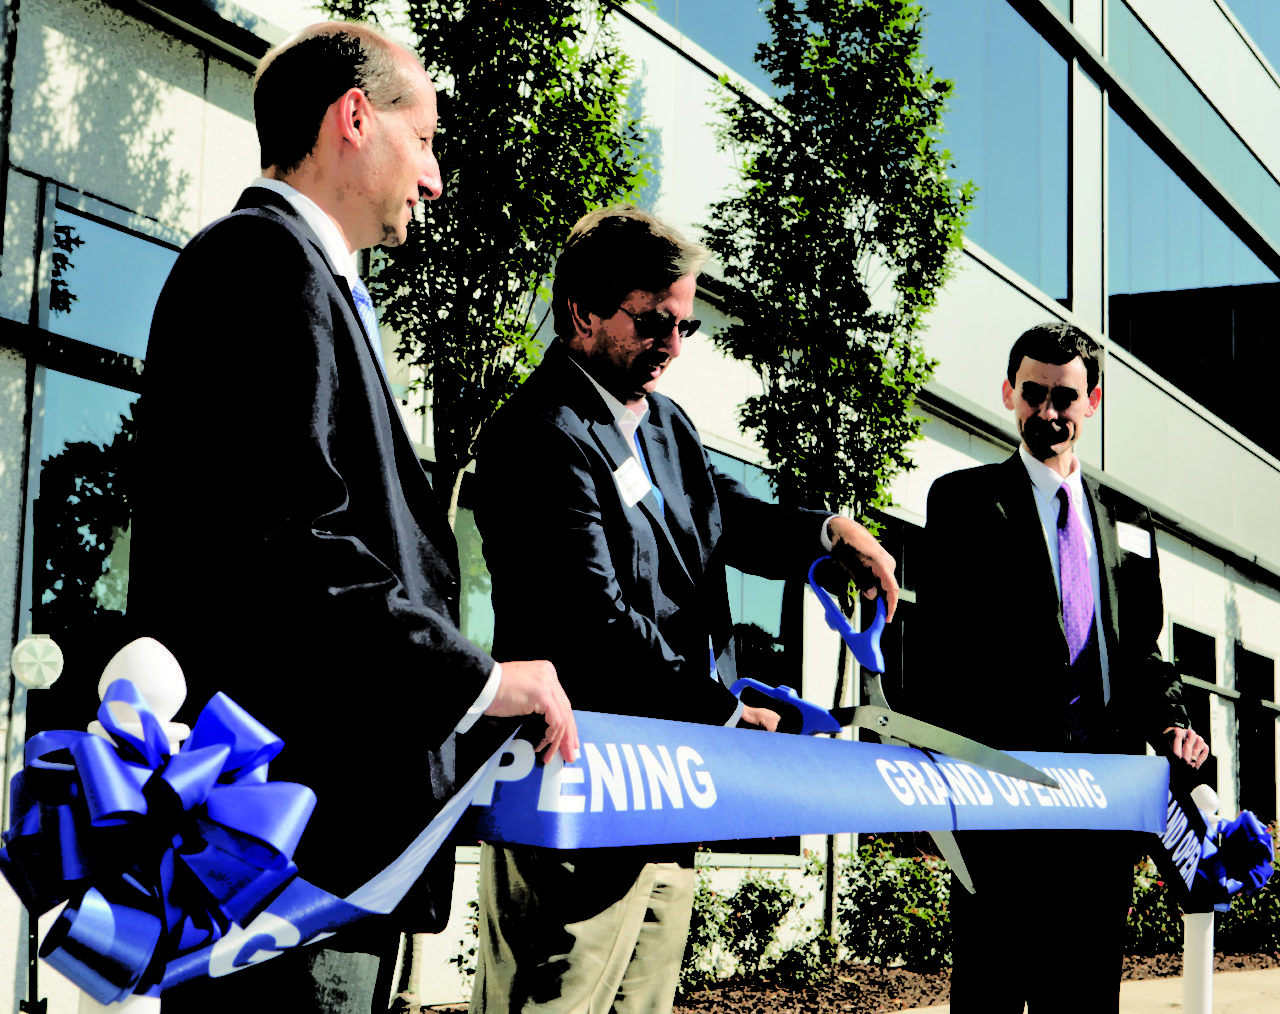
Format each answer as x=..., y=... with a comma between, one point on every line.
x=1016, y=502
x=263, y=198
x=605, y=434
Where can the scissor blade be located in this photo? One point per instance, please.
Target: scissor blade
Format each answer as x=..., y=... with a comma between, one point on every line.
x=949, y=849
x=914, y=732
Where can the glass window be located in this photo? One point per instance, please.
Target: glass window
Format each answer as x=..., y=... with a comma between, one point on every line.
x=1195, y=654
x=77, y=573
x=1261, y=19
x=1007, y=130
x=730, y=38
x=1176, y=272
x=476, y=605
x=1256, y=733
x=756, y=603
x=1144, y=66
x=105, y=283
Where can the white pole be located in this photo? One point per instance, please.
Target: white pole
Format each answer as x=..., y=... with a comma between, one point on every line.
x=1197, y=963
x=129, y=1005
x=1197, y=929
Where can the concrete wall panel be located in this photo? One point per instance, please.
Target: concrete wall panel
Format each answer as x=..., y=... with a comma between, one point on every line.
x=108, y=105
x=1186, y=462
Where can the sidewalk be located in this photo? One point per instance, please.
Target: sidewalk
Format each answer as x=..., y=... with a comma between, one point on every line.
x=1233, y=993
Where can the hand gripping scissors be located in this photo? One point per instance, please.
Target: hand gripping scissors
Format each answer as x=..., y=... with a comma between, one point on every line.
x=892, y=728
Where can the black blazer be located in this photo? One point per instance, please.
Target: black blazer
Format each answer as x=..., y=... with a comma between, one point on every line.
x=286, y=544
x=621, y=599
x=993, y=650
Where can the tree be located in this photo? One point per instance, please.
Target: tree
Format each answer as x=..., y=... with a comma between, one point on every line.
x=835, y=243
x=534, y=132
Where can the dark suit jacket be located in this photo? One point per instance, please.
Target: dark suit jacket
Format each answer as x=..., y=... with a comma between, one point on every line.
x=994, y=660
x=621, y=599
x=286, y=544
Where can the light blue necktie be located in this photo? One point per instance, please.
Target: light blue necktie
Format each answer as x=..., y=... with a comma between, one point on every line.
x=369, y=318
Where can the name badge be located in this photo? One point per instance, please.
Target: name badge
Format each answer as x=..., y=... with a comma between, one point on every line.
x=1134, y=539
x=633, y=484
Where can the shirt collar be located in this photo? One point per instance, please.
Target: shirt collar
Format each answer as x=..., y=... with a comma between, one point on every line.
x=326, y=230
x=622, y=415
x=1048, y=481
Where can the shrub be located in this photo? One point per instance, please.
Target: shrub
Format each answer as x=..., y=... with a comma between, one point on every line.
x=894, y=908
x=737, y=933
x=1155, y=923
x=468, y=946
x=703, y=958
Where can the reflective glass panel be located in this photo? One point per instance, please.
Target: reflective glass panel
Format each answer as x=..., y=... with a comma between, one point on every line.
x=1007, y=129
x=755, y=603
x=105, y=283
x=77, y=575
x=475, y=606
x=1256, y=733
x=731, y=37
x=1168, y=93
x=1195, y=654
x=1261, y=19
x=1185, y=294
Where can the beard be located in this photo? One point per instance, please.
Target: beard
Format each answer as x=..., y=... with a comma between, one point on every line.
x=1042, y=436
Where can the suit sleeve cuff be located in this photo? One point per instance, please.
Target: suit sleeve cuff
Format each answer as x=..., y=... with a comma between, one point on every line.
x=482, y=703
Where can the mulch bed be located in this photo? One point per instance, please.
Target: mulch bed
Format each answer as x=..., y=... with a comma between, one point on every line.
x=869, y=989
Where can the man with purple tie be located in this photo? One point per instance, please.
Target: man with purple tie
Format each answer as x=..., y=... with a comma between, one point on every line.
x=1072, y=621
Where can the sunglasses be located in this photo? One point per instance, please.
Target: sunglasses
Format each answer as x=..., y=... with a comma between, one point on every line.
x=655, y=325
x=1061, y=397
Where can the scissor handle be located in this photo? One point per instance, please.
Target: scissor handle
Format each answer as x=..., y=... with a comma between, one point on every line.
x=865, y=644
x=812, y=717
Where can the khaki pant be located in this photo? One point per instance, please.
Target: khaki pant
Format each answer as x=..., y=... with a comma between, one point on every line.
x=587, y=932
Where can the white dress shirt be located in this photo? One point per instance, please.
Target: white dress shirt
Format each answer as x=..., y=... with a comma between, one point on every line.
x=1045, y=483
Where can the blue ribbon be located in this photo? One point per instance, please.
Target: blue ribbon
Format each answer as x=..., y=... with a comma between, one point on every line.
x=639, y=781
x=645, y=781
x=1242, y=860
x=160, y=854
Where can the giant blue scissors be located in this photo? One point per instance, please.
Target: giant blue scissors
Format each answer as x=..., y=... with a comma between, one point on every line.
x=808, y=718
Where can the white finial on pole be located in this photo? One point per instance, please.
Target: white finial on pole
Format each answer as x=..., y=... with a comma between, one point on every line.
x=158, y=677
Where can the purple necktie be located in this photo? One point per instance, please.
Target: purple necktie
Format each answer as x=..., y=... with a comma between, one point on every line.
x=1073, y=571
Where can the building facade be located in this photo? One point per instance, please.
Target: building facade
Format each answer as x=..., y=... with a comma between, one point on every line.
x=1129, y=183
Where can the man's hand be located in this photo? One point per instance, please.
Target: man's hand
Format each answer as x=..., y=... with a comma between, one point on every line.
x=759, y=718
x=857, y=551
x=1187, y=744
x=531, y=688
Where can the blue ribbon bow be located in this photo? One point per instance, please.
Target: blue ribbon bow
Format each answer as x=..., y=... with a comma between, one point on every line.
x=1242, y=860
x=159, y=853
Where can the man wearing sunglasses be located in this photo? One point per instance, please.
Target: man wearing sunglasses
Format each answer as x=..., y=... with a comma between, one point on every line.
x=1071, y=624
x=617, y=573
